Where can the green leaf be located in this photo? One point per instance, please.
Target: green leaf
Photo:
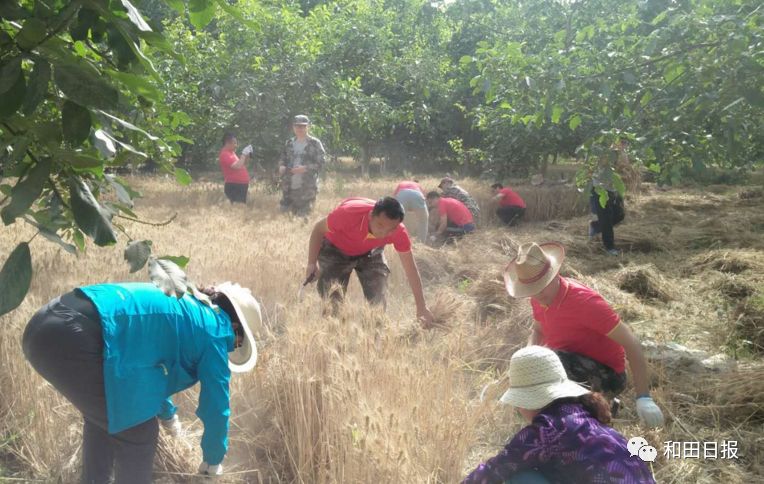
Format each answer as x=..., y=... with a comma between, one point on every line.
x=9, y=73
x=733, y=103
x=85, y=87
x=139, y=85
x=31, y=34
x=618, y=184
x=673, y=72
x=178, y=5
x=52, y=236
x=90, y=216
x=75, y=121
x=168, y=277
x=105, y=143
x=11, y=101
x=78, y=160
x=603, y=196
x=135, y=16
x=79, y=239
x=122, y=192
x=129, y=126
x=574, y=122
x=182, y=176
x=201, y=12
x=180, y=260
x=26, y=191
x=137, y=254
x=37, y=88
x=15, y=278
x=556, y=114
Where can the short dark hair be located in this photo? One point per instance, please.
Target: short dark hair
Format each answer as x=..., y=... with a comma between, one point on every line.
x=432, y=195
x=228, y=136
x=389, y=206
x=497, y=185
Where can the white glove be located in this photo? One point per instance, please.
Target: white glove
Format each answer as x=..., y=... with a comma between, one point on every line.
x=649, y=412
x=172, y=426
x=247, y=150
x=209, y=470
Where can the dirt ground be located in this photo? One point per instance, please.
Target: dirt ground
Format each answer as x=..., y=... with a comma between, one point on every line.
x=370, y=397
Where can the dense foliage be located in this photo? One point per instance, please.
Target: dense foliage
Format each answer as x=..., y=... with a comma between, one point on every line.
x=485, y=86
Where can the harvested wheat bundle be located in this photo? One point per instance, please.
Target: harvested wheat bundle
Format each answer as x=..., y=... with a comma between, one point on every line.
x=733, y=261
x=644, y=282
x=557, y=202
x=491, y=296
x=433, y=266
x=732, y=286
x=448, y=308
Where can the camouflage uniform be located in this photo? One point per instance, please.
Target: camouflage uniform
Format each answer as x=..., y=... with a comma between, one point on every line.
x=336, y=267
x=593, y=374
x=299, y=191
x=459, y=193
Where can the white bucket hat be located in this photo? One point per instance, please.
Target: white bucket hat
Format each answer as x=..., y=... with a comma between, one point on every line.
x=243, y=358
x=537, y=378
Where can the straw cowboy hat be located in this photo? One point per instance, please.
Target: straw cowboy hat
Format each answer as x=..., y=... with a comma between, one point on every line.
x=243, y=358
x=533, y=269
x=537, y=378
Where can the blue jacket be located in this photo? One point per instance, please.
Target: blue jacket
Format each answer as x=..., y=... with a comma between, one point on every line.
x=155, y=346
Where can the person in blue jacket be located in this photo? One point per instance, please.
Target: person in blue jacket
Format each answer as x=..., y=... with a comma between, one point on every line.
x=118, y=352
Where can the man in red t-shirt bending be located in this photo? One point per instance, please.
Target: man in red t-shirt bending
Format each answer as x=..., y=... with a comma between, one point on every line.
x=455, y=218
x=234, y=169
x=511, y=205
x=576, y=322
x=353, y=238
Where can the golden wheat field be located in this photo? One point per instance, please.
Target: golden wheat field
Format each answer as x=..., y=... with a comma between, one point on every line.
x=367, y=396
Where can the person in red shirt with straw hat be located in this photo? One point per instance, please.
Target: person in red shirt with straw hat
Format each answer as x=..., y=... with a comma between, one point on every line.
x=580, y=326
x=353, y=238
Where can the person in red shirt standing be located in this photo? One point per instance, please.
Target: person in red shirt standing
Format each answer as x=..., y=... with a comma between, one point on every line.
x=411, y=196
x=234, y=169
x=511, y=205
x=353, y=238
x=455, y=218
x=576, y=322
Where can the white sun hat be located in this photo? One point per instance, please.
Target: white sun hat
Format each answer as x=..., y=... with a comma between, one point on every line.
x=243, y=358
x=537, y=378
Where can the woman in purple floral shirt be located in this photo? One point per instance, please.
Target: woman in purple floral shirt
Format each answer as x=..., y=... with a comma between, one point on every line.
x=568, y=439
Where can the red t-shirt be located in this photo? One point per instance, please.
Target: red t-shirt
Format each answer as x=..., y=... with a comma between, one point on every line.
x=578, y=320
x=456, y=211
x=510, y=198
x=232, y=175
x=349, y=229
x=408, y=185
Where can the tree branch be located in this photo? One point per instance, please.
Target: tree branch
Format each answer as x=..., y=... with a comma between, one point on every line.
x=153, y=224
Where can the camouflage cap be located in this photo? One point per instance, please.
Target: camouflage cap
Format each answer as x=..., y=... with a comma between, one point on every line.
x=446, y=181
x=301, y=119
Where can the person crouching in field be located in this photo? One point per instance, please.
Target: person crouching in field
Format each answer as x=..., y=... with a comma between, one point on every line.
x=511, y=205
x=455, y=219
x=411, y=196
x=234, y=169
x=451, y=190
x=577, y=323
x=568, y=438
x=118, y=352
x=353, y=238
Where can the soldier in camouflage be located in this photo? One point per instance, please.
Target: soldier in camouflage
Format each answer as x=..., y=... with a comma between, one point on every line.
x=452, y=190
x=301, y=162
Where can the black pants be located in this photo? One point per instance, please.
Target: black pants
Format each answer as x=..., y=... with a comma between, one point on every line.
x=600, y=378
x=607, y=217
x=236, y=192
x=510, y=214
x=64, y=343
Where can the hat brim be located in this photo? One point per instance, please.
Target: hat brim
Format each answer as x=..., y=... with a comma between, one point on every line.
x=517, y=289
x=539, y=396
x=300, y=124
x=243, y=358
